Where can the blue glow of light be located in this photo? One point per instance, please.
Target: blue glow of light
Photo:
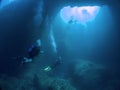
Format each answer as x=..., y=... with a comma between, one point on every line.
x=79, y=14
x=5, y=3
x=53, y=42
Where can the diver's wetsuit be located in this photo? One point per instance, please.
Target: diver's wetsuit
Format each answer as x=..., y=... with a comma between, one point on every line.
x=33, y=51
x=57, y=62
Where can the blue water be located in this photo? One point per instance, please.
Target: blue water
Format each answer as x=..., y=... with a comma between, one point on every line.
x=73, y=56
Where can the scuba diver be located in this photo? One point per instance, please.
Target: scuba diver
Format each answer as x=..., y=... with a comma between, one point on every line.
x=58, y=59
x=72, y=20
x=57, y=62
x=33, y=51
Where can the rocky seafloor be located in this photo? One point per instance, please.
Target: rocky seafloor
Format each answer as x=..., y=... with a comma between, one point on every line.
x=82, y=75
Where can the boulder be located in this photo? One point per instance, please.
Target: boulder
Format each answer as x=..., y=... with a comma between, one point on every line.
x=88, y=75
x=51, y=83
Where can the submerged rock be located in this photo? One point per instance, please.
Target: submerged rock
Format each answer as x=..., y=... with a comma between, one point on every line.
x=9, y=83
x=38, y=81
x=88, y=75
x=50, y=83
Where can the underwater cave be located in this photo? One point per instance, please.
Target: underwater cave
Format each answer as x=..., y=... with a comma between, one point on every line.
x=59, y=45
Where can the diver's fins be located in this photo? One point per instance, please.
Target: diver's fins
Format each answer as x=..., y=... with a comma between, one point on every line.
x=47, y=69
